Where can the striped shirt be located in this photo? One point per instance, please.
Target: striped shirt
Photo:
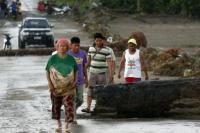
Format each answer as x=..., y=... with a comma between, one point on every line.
x=98, y=59
x=113, y=58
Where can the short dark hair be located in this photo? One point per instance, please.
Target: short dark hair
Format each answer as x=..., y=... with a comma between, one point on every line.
x=98, y=35
x=75, y=40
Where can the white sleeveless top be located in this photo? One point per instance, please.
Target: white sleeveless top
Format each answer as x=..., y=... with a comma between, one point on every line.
x=132, y=64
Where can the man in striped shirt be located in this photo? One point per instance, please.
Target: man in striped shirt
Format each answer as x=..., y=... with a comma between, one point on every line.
x=99, y=62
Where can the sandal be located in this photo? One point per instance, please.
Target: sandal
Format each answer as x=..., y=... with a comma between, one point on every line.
x=67, y=130
x=58, y=130
x=86, y=110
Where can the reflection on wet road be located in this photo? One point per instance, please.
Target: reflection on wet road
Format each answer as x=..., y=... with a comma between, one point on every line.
x=24, y=97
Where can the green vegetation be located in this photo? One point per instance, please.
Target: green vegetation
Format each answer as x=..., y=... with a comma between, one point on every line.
x=190, y=8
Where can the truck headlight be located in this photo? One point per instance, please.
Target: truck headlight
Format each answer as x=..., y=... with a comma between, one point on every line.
x=24, y=33
x=49, y=33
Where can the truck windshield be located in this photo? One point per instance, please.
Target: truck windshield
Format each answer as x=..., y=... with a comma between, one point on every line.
x=36, y=23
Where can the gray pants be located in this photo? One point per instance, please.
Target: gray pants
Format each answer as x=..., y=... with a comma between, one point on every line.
x=96, y=79
x=79, y=95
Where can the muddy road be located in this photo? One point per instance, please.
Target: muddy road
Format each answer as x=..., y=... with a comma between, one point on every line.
x=24, y=98
x=25, y=104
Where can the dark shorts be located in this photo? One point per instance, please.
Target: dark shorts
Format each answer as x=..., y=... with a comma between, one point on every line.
x=68, y=102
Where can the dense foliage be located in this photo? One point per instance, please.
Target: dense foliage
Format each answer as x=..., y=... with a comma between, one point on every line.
x=184, y=7
x=189, y=8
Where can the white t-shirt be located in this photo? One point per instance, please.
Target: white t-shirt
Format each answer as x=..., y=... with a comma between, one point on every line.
x=54, y=52
x=132, y=64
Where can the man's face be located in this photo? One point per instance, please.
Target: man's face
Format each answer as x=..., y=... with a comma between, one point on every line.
x=75, y=47
x=131, y=46
x=99, y=42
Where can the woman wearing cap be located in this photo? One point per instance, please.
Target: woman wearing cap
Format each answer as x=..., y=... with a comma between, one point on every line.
x=134, y=63
x=61, y=76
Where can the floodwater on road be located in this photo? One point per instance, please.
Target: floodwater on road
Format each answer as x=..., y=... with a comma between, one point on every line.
x=25, y=105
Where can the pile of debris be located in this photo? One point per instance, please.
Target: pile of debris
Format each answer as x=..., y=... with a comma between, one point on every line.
x=172, y=62
x=121, y=45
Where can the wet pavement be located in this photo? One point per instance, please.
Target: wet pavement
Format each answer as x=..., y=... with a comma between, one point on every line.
x=25, y=104
x=24, y=101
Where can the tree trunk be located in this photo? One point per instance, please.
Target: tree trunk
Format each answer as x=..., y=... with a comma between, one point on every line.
x=138, y=6
x=150, y=99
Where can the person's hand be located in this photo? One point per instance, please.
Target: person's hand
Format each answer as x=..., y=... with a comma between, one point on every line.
x=119, y=75
x=51, y=87
x=74, y=84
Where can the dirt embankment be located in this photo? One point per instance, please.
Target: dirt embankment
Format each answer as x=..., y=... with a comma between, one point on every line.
x=172, y=41
x=161, y=30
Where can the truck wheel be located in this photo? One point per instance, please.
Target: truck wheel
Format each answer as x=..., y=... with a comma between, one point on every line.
x=50, y=44
x=21, y=44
